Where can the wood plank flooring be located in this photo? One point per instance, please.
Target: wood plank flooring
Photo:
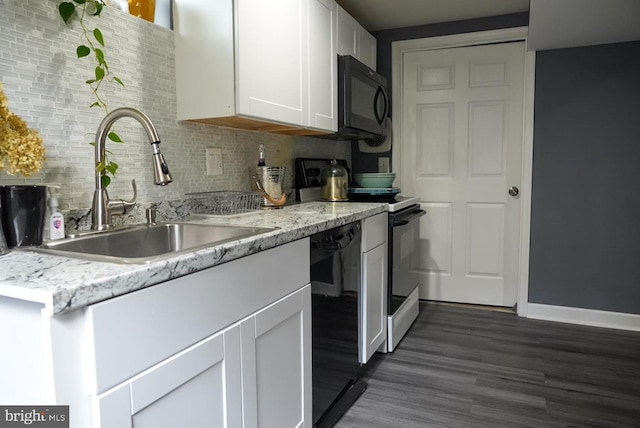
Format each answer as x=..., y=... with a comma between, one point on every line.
x=466, y=367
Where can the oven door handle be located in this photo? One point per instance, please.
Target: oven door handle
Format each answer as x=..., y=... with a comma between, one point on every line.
x=407, y=220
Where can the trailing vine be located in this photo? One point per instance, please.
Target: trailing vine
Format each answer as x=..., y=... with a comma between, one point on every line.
x=92, y=42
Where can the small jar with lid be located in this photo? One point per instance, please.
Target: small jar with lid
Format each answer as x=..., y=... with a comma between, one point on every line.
x=334, y=181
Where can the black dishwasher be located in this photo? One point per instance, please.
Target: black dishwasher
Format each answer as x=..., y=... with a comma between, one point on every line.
x=335, y=288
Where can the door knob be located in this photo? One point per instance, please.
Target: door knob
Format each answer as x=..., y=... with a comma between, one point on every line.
x=514, y=191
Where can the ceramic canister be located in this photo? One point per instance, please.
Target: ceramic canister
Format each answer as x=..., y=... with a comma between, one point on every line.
x=23, y=211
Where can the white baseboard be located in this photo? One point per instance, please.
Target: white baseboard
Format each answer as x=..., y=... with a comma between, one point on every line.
x=590, y=317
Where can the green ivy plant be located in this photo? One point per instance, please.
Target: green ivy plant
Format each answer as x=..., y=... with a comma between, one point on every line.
x=91, y=46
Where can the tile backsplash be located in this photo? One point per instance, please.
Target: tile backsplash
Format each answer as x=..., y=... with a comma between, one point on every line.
x=44, y=82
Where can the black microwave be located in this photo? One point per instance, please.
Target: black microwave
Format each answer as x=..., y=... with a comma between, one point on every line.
x=363, y=104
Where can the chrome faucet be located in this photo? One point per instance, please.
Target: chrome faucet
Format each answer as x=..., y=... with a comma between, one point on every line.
x=103, y=209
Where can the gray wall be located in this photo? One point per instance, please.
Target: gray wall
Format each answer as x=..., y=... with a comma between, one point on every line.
x=585, y=231
x=366, y=162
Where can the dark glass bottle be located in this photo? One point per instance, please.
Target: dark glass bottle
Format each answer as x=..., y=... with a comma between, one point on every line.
x=261, y=161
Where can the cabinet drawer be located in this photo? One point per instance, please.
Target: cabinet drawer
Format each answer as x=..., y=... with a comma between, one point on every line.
x=131, y=333
x=374, y=231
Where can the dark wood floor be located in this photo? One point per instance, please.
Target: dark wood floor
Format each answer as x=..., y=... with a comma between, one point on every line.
x=466, y=367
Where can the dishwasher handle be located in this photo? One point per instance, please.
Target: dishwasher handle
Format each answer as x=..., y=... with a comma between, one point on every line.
x=337, y=239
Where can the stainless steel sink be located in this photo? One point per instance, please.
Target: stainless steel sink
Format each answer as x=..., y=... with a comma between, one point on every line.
x=143, y=244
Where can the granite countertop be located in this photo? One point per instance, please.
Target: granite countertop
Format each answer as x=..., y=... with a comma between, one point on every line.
x=64, y=284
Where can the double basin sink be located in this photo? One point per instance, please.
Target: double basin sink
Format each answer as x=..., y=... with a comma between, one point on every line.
x=148, y=243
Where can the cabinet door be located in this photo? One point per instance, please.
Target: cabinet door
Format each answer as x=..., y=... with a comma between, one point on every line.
x=367, y=49
x=374, y=293
x=354, y=40
x=197, y=388
x=272, y=62
x=276, y=364
x=348, y=34
x=204, y=58
x=323, y=70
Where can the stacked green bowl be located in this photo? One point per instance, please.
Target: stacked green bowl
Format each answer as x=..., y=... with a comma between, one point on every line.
x=374, y=179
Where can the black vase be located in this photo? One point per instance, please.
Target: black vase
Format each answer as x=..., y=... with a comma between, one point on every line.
x=23, y=210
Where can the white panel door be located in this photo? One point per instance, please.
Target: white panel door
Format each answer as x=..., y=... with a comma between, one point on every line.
x=462, y=128
x=374, y=294
x=199, y=387
x=272, y=65
x=276, y=364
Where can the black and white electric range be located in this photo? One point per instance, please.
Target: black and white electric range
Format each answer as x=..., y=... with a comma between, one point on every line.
x=403, y=243
x=403, y=260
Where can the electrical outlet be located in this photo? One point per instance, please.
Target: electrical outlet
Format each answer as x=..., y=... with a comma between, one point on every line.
x=383, y=164
x=214, y=161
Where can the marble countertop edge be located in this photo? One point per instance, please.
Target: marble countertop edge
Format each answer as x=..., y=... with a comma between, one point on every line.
x=63, y=284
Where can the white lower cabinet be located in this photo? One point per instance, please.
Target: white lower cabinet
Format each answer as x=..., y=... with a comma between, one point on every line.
x=374, y=264
x=228, y=346
x=276, y=364
x=256, y=373
x=374, y=285
x=199, y=387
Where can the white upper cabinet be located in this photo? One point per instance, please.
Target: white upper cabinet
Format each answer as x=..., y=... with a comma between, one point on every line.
x=368, y=49
x=323, y=74
x=271, y=54
x=348, y=34
x=354, y=40
x=256, y=65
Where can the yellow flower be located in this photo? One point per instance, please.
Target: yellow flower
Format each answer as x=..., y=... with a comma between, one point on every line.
x=21, y=149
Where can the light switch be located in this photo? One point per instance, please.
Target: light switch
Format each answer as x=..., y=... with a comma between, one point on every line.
x=383, y=164
x=214, y=161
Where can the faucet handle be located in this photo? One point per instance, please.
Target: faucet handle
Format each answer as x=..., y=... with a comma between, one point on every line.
x=128, y=205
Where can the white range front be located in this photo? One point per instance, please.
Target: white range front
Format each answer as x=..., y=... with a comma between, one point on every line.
x=402, y=202
x=403, y=279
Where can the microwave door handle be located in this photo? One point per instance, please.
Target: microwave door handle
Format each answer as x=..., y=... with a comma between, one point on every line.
x=380, y=92
x=386, y=105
